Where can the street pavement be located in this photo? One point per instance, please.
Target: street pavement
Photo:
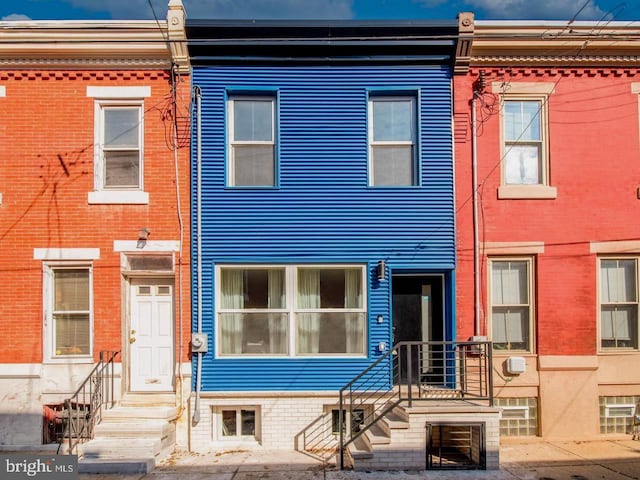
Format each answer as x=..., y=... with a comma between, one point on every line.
x=534, y=460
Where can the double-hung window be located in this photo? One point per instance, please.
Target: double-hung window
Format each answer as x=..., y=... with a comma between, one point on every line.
x=511, y=304
x=525, y=140
x=524, y=152
x=619, y=303
x=119, y=145
x=392, y=141
x=69, y=310
x=251, y=133
x=291, y=310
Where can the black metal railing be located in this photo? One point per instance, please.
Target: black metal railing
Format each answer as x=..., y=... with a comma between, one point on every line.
x=83, y=410
x=414, y=371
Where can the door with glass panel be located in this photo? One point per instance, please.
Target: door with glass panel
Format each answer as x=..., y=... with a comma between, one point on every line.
x=151, y=342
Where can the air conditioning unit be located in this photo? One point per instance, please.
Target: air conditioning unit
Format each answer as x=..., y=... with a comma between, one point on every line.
x=516, y=365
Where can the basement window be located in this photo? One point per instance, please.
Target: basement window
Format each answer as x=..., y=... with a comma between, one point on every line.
x=237, y=423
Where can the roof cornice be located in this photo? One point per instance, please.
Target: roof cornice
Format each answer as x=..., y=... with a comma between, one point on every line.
x=126, y=44
x=556, y=44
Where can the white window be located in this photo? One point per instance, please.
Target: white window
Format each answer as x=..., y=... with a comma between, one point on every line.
x=524, y=147
x=619, y=303
x=237, y=423
x=511, y=304
x=291, y=310
x=68, y=306
x=251, y=133
x=119, y=145
x=392, y=141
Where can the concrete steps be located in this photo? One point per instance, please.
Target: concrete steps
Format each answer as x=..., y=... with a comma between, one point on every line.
x=398, y=440
x=132, y=436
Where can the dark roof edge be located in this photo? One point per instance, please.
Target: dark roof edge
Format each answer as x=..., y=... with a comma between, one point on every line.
x=338, y=24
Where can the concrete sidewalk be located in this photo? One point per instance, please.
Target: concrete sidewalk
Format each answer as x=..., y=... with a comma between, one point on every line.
x=595, y=460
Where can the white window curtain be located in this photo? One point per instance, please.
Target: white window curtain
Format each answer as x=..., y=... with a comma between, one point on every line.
x=618, y=285
x=276, y=299
x=353, y=299
x=309, y=298
x=232, y=297
x=510, y=314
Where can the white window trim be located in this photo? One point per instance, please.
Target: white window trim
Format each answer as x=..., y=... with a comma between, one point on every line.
x=242, y=439
x=524, y=408
x=291, y=281
x=131, y=93
x=77, y=254
x=527, y=91
x=135, y=246
x=531, y=276
x=413, y=142
x=231, y=142
x=616, y=350
x=635, y=89
x=621, y=405
x=48, y=337
x=116, y=97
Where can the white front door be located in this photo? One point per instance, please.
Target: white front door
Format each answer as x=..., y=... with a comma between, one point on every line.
x=151, y=335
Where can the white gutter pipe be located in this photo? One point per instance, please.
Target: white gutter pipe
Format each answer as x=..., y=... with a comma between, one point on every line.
x=198, y=93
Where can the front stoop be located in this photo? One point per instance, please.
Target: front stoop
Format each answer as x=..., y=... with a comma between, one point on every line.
x=398, y=441
x=132, y=437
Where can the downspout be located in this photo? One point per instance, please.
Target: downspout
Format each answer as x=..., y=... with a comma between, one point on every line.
x=478, y=88
x=198, y=94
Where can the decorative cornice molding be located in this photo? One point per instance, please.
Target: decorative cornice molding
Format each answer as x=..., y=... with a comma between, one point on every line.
x=556, y=43
x=559, y=61
x=125, y=44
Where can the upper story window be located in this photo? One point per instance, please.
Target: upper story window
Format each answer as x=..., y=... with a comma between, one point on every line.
x=119, y=145
x=251, y=134
x=392, y=141
x=619, y=303
x=524, y=149
x=511, y=304
x=525, y=140
x=291, y=311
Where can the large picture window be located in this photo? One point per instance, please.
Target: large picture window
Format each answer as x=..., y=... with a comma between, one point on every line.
x=511, y=304
x=619, y=303
x=251, y=132
x=292, y=310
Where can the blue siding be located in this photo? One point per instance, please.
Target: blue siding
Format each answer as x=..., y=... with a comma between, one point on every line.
x=323, y=210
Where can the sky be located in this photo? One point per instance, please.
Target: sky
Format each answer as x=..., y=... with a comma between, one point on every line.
x=324, y=9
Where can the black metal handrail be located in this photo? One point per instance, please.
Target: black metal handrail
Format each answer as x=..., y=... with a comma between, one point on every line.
x=83, y=410
x=413, y=371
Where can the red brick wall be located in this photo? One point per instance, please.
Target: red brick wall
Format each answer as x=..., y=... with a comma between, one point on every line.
x=595, y=165
x=48, y=121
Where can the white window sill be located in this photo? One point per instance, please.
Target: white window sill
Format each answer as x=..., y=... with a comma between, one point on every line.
x=69, y=360
x=118, y=197
x=523, y=192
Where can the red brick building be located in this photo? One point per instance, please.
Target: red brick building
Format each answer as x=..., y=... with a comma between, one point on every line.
x=94, y=212
x=548, y=242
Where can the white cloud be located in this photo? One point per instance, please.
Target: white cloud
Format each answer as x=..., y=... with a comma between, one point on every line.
x=16, y=17
x=224, y=9
x=537, y=9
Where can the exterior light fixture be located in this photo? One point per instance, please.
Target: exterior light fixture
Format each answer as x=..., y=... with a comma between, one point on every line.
x=143, y=236
x=382, y=274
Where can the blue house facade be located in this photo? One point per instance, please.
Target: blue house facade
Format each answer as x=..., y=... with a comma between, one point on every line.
x=323, y=207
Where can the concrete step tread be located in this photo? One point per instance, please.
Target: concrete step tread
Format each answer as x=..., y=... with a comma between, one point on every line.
x=148, y=399
x=377, y=435
x=141, y=412
x=360, y=449
x=113, y=448
x=114, y=428
x=395, y=420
